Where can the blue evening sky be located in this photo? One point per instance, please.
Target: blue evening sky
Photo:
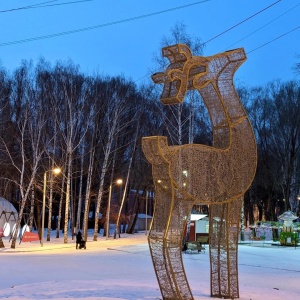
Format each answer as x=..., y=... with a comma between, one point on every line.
x=123, y=35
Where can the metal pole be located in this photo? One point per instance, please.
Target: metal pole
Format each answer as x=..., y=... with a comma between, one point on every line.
x=108, y=212
x=117, y=228
x=43, y=209
x=146, y=225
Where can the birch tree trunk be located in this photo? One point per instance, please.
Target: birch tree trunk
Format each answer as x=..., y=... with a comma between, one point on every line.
x=79, y=207
x=50, y=203
x=243, y=222
x=68, y=187
x=87, y=193
x=61, y=200
x=52, y=167
x=117, y=228
x=31, y=214
x=107, y=153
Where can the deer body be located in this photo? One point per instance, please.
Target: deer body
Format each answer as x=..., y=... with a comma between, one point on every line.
x=193, y=173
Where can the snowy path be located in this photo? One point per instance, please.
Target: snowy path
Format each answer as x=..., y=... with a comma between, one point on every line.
x=122, y=269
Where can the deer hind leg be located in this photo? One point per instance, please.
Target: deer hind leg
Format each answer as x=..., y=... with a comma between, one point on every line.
x=224, y=220
x=165, y=242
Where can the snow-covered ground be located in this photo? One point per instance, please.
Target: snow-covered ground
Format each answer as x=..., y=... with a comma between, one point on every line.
x=122, y=269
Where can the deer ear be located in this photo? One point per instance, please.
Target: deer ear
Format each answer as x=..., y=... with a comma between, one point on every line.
x=159, y=77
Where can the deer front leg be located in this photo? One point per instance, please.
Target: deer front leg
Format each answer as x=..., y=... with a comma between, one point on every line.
x=165, y=242
x=166, y=232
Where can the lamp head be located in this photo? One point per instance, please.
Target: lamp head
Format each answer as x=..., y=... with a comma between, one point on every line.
x=119, y=181
x=56, y=171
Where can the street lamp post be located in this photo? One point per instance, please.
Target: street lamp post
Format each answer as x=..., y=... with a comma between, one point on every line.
x=55, y=171
x=118, y=181
x=298, y=198
x=146, y=220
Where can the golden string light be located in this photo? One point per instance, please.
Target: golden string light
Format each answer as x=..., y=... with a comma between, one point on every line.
x=191, y=174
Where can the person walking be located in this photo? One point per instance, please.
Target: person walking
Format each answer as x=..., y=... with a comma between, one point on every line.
x=78, y=239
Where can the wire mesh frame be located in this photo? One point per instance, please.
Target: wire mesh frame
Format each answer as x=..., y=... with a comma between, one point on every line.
x=188, y=174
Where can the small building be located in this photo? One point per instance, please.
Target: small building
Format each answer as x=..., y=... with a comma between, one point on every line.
x=199, y=226
x=143, y=222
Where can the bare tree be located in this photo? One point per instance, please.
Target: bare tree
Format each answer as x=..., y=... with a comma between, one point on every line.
x=179, y=118
x=117, y=95
x=25, y=149
x=287, y=138
x=88, y=190
x=69, y=100
x=296, y=67
x=274, y=112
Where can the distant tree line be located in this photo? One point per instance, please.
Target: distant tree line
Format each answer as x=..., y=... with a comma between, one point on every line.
x=91, y=127
x=274, y=111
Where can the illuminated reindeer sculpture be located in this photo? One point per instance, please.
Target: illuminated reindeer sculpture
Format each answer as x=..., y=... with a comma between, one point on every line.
x=217, y=176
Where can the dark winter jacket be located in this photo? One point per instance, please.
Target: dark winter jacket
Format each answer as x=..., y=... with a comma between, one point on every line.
x=78, y=237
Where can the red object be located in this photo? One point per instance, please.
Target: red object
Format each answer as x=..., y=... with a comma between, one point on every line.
x=1, y=232
x=192, y=231
x=30, y=237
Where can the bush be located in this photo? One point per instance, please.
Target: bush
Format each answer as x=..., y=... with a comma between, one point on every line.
x=285, y=235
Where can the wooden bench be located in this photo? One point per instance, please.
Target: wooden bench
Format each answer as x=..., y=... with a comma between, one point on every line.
x=255, y=238
x=193, y=248
x=203, y=239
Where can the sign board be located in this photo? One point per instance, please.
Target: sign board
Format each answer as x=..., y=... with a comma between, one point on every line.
x=30, y=237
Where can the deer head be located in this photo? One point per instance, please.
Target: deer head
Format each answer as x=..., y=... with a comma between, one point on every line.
x=187, y=72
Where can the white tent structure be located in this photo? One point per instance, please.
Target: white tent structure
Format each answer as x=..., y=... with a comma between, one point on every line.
x=8, y=216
